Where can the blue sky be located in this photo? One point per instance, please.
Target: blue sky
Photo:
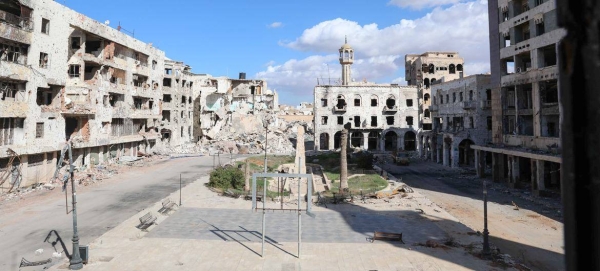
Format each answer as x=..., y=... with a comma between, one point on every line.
x=291, y=43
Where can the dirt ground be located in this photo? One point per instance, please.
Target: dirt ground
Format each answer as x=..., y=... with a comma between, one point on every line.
x=528, y=228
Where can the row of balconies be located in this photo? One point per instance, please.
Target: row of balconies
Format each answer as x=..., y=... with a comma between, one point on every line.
x=384, y=109
x=468, y=105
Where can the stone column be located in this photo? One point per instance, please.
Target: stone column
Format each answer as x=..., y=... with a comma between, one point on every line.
x=516, y=172
x=454, y=155
x=480, y=163
x=365, y=140
x=331, y=141
x=541, y=181
x=400, y=143
x=446, y=155
x=498, y=167
x=439, y=154
x=300, y=151
x=420, y=145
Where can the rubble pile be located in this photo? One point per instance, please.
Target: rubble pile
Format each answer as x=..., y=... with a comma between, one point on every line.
x=246, y=135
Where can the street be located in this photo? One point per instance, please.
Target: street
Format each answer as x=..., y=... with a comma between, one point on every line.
x=25, y=223
x=533, y=234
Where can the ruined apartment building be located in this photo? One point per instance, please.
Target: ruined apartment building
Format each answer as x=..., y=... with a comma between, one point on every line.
x=461, y=116
x=231, y=104
x=64, y=76
x=383, y=117
x=179, y=89
x=526, y=149
x=424, y=70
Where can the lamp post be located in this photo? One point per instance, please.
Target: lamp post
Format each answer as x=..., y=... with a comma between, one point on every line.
x=75, y=263
x=486, y=244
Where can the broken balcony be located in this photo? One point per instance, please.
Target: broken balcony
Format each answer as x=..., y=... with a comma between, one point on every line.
x=77, y=103
x=339, y=108
x=16, y=23
x=392, y=108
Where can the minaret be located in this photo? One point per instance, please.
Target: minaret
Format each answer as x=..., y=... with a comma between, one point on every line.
x=346, y=59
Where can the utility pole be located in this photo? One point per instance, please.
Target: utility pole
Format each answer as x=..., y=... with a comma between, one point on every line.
x=75, y=263
x=486, y=244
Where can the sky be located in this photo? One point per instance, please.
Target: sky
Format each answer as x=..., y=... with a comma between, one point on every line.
x=292, y=43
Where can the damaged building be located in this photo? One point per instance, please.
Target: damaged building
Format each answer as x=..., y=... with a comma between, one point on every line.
x=65, y=77
x=526, y=116
x=383, y=117
x=461, y=117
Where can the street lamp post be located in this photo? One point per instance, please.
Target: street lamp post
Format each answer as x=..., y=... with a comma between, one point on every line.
x=486, y=244
x=75, y=263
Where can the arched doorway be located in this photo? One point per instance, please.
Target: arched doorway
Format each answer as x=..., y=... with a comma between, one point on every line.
x=391, y=141
x=466, y=155
x=324, y=141
x=337, y=138
x=410, y=141
x=356, y=139
x=372, y=141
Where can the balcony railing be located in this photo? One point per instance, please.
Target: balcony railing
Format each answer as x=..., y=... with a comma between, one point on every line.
x=21, y=22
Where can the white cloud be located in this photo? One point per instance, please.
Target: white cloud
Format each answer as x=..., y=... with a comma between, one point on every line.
x=420, y=4
x=379, y=52
x=275, y=25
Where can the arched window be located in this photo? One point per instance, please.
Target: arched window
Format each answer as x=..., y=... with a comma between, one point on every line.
x=459, y=67
x=324, y=141
x=426, y=97
x=425, y=68
x=452, y=68
x=426, y=82
x=427, y=114
x=431, y=68
x=357, y=100
x=432, y=80
x=374, y=100
x=390, y=102
x=341, y=102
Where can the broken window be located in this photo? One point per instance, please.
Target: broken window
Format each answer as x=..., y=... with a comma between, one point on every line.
x=183, y=100
x=459, y=67
x=470, y=95
x=510, y=99
x=505, y=16
x=441, y=99
x=374, y=101
x=45, y=96
x=182, y=114
x=168, y=71
x=426, y=98
x=452, y=69
x=167, y=98
x=409, y=121
x=551, y=129
x=166, y=114
x=35, y=160
x=323, y=102
x=151, y=104
x=341, y=102
x=357, y=101
x=389, y=120
x=489, y=123
x=373, y=121
x=8, y=127
x=357, y=121
x=540, y=29
x=75, y=42
x=181, y=131
x=426, y=114
x=154, y=63
x=426, y=82
x=39, y=130
x=390, y=102
x=45, y=26
x=460, y=96
x=471, y=122
x=139, y=80
x=324, y=120
x=409, y=102
x=74, y=71
x=167, y=82
x=340, y=120
x=116, y=99
x=431, y=68
x=137, y=102
x=43, y=60
x=453, y=97
x=13, y=52
x=447, y=98
x=549, y=92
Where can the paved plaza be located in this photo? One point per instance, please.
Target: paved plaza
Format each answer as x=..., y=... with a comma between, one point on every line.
x=211, y=232
x=325, y=227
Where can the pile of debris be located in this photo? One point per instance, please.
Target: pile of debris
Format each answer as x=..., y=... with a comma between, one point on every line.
x=247, y=135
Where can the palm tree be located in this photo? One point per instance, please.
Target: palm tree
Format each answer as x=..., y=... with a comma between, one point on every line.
x=344, y=159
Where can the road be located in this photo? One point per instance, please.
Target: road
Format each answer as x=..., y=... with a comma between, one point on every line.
x=24, y=224
x=532, y=235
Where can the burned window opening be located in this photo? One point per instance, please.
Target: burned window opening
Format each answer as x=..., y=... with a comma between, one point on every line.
x=340, y=120
x=356, y=121
x=452, y=69
x=427, y=114
x=373, y=121
x=166, y=114
x=390, y=103
x=167, y=98
x=389, y=120
x=409, y=102
x=167, y=82
x=324, y=120
x=8, y=90
x=341, y=102
x=43, y=60
x=409, y=121
x=74, y=71
x=75, y=42
x=13, y=52
x=431, y=68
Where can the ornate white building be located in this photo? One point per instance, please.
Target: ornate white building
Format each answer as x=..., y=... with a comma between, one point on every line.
x=383, y=116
